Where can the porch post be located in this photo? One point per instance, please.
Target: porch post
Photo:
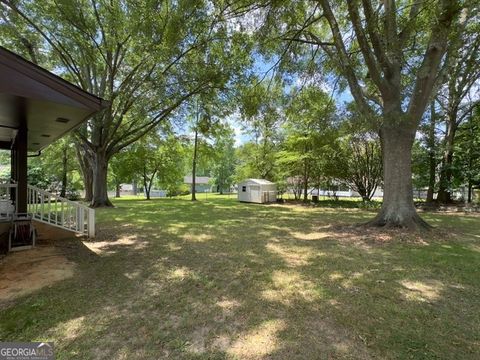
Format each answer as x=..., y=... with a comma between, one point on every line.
x=13, y=173
x=20, y=154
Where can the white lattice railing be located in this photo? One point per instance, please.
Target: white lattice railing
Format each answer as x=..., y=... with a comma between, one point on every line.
x=57, y=211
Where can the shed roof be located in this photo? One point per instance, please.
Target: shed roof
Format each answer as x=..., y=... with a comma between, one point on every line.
x=259, y=181
x=51, y=105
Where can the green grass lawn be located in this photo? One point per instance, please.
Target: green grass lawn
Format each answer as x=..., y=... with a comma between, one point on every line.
x=218, y=279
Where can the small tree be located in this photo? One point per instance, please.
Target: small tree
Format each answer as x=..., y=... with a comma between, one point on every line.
x=262, y=111
x=172, y=154
x=308, y=130
x=360, y=164
x=205, y=123
x=155, y=158
x=224, y=159
x=120, y=171
x=63, y=171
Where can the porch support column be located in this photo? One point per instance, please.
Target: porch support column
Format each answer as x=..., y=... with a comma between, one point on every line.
x=13, y=172
x=21, y=164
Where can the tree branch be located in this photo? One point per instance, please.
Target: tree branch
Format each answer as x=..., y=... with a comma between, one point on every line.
x=345, y=62
x=427, y=73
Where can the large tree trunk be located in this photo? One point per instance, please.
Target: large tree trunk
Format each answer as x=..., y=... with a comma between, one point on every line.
x=88, y=184
x=398, y=209
x=117, y=190
x=100, y=167
x=431, y=154
x=87, y=173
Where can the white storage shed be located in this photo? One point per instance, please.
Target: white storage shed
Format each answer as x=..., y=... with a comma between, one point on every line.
x=257, y=191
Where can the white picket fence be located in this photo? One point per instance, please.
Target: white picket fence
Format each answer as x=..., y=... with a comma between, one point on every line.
x=60, y=212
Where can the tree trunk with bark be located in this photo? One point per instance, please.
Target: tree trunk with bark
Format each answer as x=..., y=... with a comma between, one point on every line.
x=365, y=197
x=148, y=182
x=305, y=181
x=145, y=185
x=117, y=190
x=87, y=173
x=432, y=163
x=398, y=209
x=88, y=184
x=470, y=191
x=444, y=191
x=100, y=190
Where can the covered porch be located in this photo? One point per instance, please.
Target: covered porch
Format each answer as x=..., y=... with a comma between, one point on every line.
x=37, y=108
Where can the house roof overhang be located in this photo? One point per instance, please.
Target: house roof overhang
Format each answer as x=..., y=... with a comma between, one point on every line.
x=51, y=105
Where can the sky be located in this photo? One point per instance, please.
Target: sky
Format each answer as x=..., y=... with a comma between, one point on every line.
x=263, y=69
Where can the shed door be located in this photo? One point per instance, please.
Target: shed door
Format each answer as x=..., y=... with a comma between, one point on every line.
x=255, y=193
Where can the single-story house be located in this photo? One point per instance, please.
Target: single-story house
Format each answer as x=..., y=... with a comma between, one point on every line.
x=202, y=183
x=37, y=108
x=257, y=191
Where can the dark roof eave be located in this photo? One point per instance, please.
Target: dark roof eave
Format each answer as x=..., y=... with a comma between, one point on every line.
x=51, y=80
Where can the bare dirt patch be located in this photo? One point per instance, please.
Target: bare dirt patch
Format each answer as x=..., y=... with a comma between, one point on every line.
x=24, y=272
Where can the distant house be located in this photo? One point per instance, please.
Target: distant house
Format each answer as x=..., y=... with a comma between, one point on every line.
x=157, y=193
x=343, y=192
x=338, y=193
x=126, y=187
x=202, y=183
x=257, y=191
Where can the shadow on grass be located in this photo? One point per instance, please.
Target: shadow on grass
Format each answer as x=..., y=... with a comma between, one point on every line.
x=219, y=279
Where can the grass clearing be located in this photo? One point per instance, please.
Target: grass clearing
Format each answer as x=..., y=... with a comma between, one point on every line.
x=218, y=279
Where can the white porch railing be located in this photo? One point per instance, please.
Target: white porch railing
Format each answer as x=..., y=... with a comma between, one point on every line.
x=7, y=208
x=63, y=213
